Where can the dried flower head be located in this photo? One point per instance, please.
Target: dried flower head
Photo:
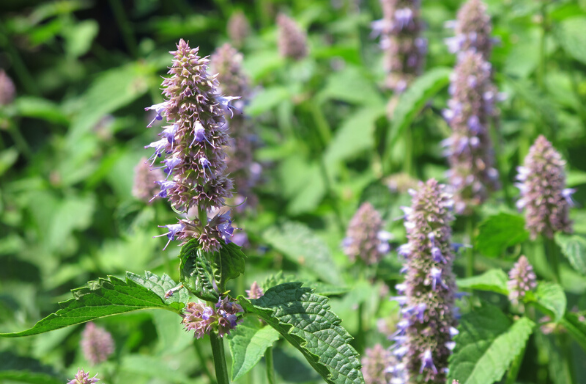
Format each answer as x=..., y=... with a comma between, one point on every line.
x=7, y=89
x=292, y=40
x=227, y=62
x=365, y=237
x=83, y=378
x=423, y=342
x=238, y=28
x=544, y=195
x=404, y=48
x=521, y=280
x=374, y=364
x=193, y=145
x=469, y=149
x=145, y=181
x=96, y=343
x=255, y=291
x=473, y=28
x=203, y=319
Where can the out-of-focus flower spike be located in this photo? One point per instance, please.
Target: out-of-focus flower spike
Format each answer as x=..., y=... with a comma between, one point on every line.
x=522, y=279
x=292, y=40
x=364, y=237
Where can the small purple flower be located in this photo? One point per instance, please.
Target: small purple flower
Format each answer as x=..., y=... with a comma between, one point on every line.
x=174, y=229
x=165, y=186
x=427, y=362
x=473, y=30
x=83, y=378
x=159, y=109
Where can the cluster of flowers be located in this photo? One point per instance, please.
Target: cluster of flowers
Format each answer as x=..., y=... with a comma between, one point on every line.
x=365, y=237
x=521, y=280
x=96, y=343
x=404, y=48
x=292, y=40
x=193, y=145
x=203, y=319
x=544, y=196
x=423, y=342
x=255, y=291
x=83, y=378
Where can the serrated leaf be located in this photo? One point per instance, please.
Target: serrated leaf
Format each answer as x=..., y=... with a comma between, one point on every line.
x=498, y=232
x=318, y=287
x=248, y=343
x=412, y=101
x=551, y=297
x=304, y=319
x=228, y=264
x=160, y=286
x=298, y=244
x=570, y=34
x=196, y=271
x=26, y=370
x=494, y=280
x=574, y=248
x=487, y=345
x=105, y=297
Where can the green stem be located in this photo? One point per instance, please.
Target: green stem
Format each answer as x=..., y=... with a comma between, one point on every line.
x=470, y=251
x=20, y=69
x=408, y=163
x=202, y=361
x=321, y=123
x=552, y=251
x=542, y=41
x=566, y=348
x=360, y=338
x=270, y=366
x=20, y=141
x=125, y=26
x=515, y=367
x=219, y=358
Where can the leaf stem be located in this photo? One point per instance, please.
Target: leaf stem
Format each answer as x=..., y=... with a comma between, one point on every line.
x=202, y=361
x=515, y=367
x=552, y=251
x=270, y=365
x=219, y=358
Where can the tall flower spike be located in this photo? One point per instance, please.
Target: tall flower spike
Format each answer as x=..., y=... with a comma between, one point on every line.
x=544, y=196
x=193, y=144
x=404, y=47
x=145, y=181
x=423, y=342
x=227, y=62
x=238, y=28
x=83, y=378
x=521, y=280
x=469, y=149
x=292, y=40
x=96, y=343
x=374, y=364
x=473, y=28
x=365, y=237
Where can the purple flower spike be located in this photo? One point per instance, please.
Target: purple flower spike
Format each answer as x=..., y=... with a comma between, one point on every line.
x=238, y=28
x=374, y=363
x=145, y=180
x=473, y=28
x=522, y=280
x=255, y=291
x=425, y=332
x=96, y=343
x=544, y=196
x=292, y=40
x=364, y=237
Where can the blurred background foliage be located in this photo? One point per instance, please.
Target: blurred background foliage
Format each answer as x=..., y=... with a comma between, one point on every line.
x=69, y=140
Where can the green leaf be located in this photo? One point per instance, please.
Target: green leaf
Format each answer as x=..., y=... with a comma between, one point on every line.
x=487, y=345
x=7, y=159
x=298, y=244
x=304, y=319
x=412, y=102
x=196, y=272
x=318, y=287
x=343, y=85
x=29, y=106
x=152, y=367
x=550, y=297
x=570, y=35
x=539, y=102
x=79, y=38
x=494, y=280
x=575, y=327
x=228, y=264
x=248, y=343
x=107, y=297
x=267, y=100
x=26, y=370
x=498, y=232
x=574, y=248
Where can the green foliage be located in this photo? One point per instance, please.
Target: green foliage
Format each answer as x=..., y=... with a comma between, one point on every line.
x=570, y=34
x=227, y=264
x=574, y=248
x=26, y=370
x=575, y=327
x=498, y=232
x=248, y=343
x=551, y=297
x=196, y=272
x=305, y=321
x=494, y=280
x=487, y=345
x=317, y=287
x=107, y=297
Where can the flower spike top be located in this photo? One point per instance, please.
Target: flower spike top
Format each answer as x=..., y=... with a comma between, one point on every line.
x=423, y=342
x=473, y=28
x=404, y=48
x=193, y=146
x=221, y=318
x=255, y=291
x=96, y=343
x=521, y=280
x=365, y=237
x=292, y=40
x=238, y=28
x=544, y=196
x=83, y=378
x=469, y=148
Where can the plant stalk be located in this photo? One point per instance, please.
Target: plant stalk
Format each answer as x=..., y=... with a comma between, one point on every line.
x=202, y=361
x=470, y=251
x=552, y=251
x=219, y=358
x=270, y=365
